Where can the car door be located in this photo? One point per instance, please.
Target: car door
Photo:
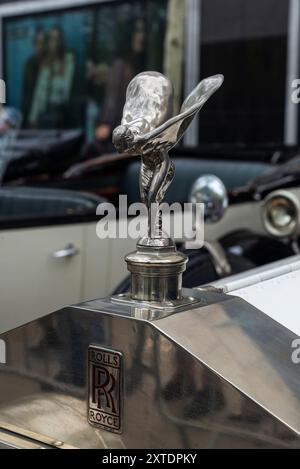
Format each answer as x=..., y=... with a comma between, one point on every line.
x=40, y=271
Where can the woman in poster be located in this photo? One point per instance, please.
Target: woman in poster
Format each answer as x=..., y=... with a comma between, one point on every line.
x=130, y=59
x=130, y=62
x=54, y=84
x=31, y=71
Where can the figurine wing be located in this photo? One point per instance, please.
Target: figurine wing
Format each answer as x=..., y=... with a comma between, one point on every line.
x=167, y=135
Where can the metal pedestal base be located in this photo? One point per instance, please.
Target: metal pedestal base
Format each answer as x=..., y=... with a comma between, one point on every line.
x=156, y=274
x=186, y=302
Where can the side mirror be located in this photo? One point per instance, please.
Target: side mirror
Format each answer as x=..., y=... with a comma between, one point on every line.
x=210, y=191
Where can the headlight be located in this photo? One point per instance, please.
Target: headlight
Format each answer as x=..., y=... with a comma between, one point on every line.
x=281, y=213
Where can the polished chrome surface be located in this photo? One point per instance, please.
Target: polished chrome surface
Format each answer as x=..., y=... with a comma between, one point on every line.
x=12, y=441
x=105, y=388
x=219, y=375
x=13, y=437
x=156, y=273
x=152, y=310
x=144, y=128
x=69, y=251
x=210, y=191
x=147, y=130
x=219, y=257
x=281, y=213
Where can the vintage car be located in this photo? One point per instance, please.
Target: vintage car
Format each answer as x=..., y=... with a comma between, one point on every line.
x=197, y=347
x=219, y=370
x=48, y=217
x=208, y=367
x=51, y=226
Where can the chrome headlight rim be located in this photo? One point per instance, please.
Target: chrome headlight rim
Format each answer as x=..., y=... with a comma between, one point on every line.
x=210, y=190
x=291, y=228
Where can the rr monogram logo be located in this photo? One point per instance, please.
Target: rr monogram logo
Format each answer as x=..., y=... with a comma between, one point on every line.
x=102, y=388
x=105, y=376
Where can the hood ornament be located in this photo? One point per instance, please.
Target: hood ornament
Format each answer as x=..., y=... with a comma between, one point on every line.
x=147, y=129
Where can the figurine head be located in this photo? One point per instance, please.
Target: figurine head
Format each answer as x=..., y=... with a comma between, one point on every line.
x=123, y=138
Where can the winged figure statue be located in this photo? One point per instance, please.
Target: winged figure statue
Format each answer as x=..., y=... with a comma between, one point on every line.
x=147, y=129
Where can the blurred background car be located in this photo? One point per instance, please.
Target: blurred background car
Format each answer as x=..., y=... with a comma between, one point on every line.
x=67, y=64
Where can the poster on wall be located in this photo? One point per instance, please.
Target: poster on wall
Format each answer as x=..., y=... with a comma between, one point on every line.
x=70, y=68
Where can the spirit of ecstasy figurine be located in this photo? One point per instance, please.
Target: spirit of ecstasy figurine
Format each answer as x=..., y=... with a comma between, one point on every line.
x=147, y=130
